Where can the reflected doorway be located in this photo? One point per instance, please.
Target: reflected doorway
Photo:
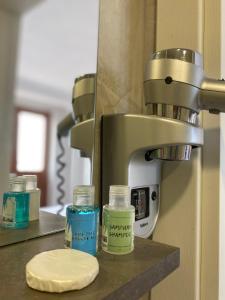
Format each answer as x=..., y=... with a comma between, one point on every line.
x=30, y=146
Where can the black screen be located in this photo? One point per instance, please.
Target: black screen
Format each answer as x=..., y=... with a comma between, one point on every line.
x=140, y=200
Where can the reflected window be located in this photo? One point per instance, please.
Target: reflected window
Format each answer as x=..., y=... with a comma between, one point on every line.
x=31, y=138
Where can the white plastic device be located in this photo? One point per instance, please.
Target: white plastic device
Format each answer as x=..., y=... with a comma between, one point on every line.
x=144, y=179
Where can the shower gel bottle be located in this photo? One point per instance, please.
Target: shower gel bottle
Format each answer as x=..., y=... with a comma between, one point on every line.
x=15, y=209
x=82, y=221
x=117, y=221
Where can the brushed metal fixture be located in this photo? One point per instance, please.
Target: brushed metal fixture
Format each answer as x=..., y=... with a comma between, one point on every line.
x=83, y=97
x=65, y=125
x=82, y=137
x=132, y=146
x=176, y=88
x=181, y=54
x=173, y=112
x=82, y=102
x=183, y=114
x=173, y=153
x=80, y=123
x=127, y=137
x=82, y=134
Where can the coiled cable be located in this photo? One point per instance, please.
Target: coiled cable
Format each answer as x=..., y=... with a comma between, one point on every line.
x=60, y=176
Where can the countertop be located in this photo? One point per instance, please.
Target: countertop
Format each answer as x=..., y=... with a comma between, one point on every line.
x=120, y=277
x=47, y=224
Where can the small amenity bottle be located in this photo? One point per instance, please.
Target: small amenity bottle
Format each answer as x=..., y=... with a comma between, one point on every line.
x=117, y=221
x=82, y=221
x=15, y=209
x=35, y=196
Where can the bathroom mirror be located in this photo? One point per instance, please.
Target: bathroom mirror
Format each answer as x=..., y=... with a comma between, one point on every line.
x=56, y=43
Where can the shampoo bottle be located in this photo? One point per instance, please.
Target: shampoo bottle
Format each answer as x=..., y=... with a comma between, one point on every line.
x=82, y=221
x=15, y=209
x=117, y=221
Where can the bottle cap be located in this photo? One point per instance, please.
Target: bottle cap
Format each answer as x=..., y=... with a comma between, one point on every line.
x=12, y=175
x=83, y=195
x=119, y=195
x=31, y=182
x=17, y=184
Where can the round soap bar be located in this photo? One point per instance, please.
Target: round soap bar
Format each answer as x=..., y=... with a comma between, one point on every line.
x=61, y=270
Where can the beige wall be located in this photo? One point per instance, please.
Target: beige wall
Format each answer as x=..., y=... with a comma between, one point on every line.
x=190, y=190
x=180, y=24
x=9, y=30
x=211, y=160
x=222, y=169
x=8, y=48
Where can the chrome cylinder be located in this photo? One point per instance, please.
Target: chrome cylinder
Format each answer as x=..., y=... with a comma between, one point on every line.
x=83, y=108
x=172, y=153
x=170, y=100
x=84, y=97
x=182, y=54
x=177, y=152
x=173, y=112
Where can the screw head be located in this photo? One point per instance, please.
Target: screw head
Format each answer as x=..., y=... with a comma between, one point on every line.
x=154, y=196
x=148, y=156
x=168, y=80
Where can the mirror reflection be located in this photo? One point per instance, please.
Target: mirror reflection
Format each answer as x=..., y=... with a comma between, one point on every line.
x=57, y=45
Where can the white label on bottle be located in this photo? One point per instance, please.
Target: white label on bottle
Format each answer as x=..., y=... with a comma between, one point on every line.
x=9, y=210
x=68, y=235
x=34, y=205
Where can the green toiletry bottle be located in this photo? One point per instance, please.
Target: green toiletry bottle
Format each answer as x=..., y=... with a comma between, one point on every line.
x=117, y=221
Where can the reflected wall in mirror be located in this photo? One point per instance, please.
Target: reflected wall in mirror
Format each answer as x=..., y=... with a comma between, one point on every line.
x=54, y=42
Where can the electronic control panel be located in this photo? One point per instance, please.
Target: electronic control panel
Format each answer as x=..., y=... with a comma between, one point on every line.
x=145, y=199
x=144, y=180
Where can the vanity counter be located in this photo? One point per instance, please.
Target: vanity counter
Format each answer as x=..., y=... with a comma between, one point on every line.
x=120, y=277
x=48, y=223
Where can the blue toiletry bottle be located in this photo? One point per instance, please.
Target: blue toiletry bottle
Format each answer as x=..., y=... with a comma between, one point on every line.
x=82, y=221
x=15, y=209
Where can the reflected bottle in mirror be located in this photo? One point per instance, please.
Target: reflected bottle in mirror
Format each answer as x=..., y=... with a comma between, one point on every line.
x=15, y=210
x=35, y=196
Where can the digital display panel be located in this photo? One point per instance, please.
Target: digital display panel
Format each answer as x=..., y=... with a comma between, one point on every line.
x=140, y=200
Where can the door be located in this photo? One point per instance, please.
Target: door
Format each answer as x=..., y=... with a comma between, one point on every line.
x=30, y=146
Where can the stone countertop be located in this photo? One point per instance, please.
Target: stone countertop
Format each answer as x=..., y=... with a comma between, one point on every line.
x=47, y=224
x=120, y=277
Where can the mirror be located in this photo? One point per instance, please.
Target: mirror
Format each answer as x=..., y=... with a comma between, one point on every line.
x=56, y=43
